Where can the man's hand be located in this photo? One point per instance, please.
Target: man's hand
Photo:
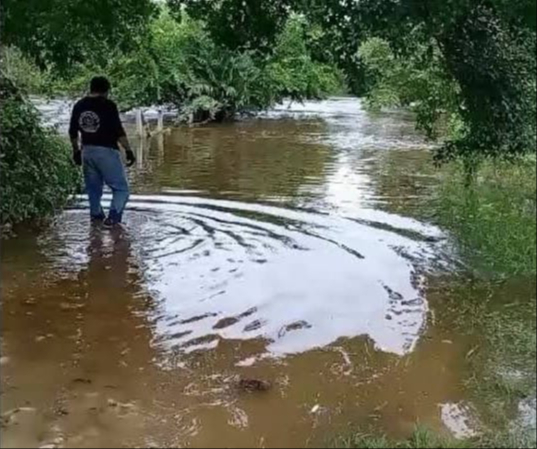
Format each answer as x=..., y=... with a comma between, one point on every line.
x=77, y=157
x=124, y=142
x=131, y=158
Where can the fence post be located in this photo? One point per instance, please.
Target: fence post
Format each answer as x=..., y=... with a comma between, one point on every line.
x=160, y=121
x=139, y=123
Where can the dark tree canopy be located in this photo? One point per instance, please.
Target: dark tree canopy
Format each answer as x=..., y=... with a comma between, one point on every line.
x=495, y=67
x=63, y=32
x=245, y=24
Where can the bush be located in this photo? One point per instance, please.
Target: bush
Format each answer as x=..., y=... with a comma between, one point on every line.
x=37, y=174
x=22, y=70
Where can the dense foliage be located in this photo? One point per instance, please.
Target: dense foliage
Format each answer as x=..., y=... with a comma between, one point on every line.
x=248, y=24
x=495, y=68
x=412, y=82
x=485, y=47
x=22, y=70
x=63, y=32
x=37, y=174
x=178, y=62
x=181, y=64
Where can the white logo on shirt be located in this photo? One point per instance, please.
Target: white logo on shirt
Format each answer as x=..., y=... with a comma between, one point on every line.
x=89, y=122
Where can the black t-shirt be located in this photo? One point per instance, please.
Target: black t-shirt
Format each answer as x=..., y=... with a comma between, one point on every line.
x=97, y=120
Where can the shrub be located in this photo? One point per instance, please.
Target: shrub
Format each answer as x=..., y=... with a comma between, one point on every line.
x=37, y=176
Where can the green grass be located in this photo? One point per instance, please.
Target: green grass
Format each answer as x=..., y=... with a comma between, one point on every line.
x=494, y=223
x=519, y=440
x=494, y=219
x=423, y=438
x=505, y=365
x=420, y=438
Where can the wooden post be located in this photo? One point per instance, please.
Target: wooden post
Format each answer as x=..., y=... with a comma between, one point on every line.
x=140, y=123
x=160, y=147
x=160, y=121
x=140, y=152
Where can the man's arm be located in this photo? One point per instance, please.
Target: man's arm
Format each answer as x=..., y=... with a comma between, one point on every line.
x=124, y=142
x=73, y=134
x=122, y=138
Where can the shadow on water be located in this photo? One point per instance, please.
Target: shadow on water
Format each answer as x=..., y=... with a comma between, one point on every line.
x=264, y=249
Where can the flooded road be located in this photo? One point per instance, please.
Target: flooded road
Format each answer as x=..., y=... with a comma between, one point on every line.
x=269, y=290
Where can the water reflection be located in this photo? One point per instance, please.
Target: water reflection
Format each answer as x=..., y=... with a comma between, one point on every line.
x=246, y=161
x=109, y=254
x=297, y=280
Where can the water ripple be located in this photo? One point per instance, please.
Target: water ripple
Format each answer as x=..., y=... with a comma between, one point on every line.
x=295, y=279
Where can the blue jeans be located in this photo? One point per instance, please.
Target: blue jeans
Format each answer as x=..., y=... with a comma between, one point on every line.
x=103, y=165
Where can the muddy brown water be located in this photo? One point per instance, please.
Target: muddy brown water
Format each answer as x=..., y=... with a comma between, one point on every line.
x=277, y=249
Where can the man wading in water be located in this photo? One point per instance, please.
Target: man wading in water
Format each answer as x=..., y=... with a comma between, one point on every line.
x=96, y=119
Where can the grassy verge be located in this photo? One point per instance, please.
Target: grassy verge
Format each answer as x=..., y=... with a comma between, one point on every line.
x=494, y=223
x=494, y=219
x=499, y=318
x=424, y=439
x=421, y=438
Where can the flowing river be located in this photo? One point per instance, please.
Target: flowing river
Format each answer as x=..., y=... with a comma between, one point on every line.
x=270, y=290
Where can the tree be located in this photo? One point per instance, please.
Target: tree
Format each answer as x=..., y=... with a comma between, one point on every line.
x=495, y=67
x=63, y=32
x=243, y=25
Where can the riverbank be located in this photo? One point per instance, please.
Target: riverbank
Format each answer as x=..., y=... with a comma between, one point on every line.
x=493, y=223
x=494, y=218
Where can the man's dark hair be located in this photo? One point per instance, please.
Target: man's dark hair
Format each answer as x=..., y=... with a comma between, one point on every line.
x=99, y=85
